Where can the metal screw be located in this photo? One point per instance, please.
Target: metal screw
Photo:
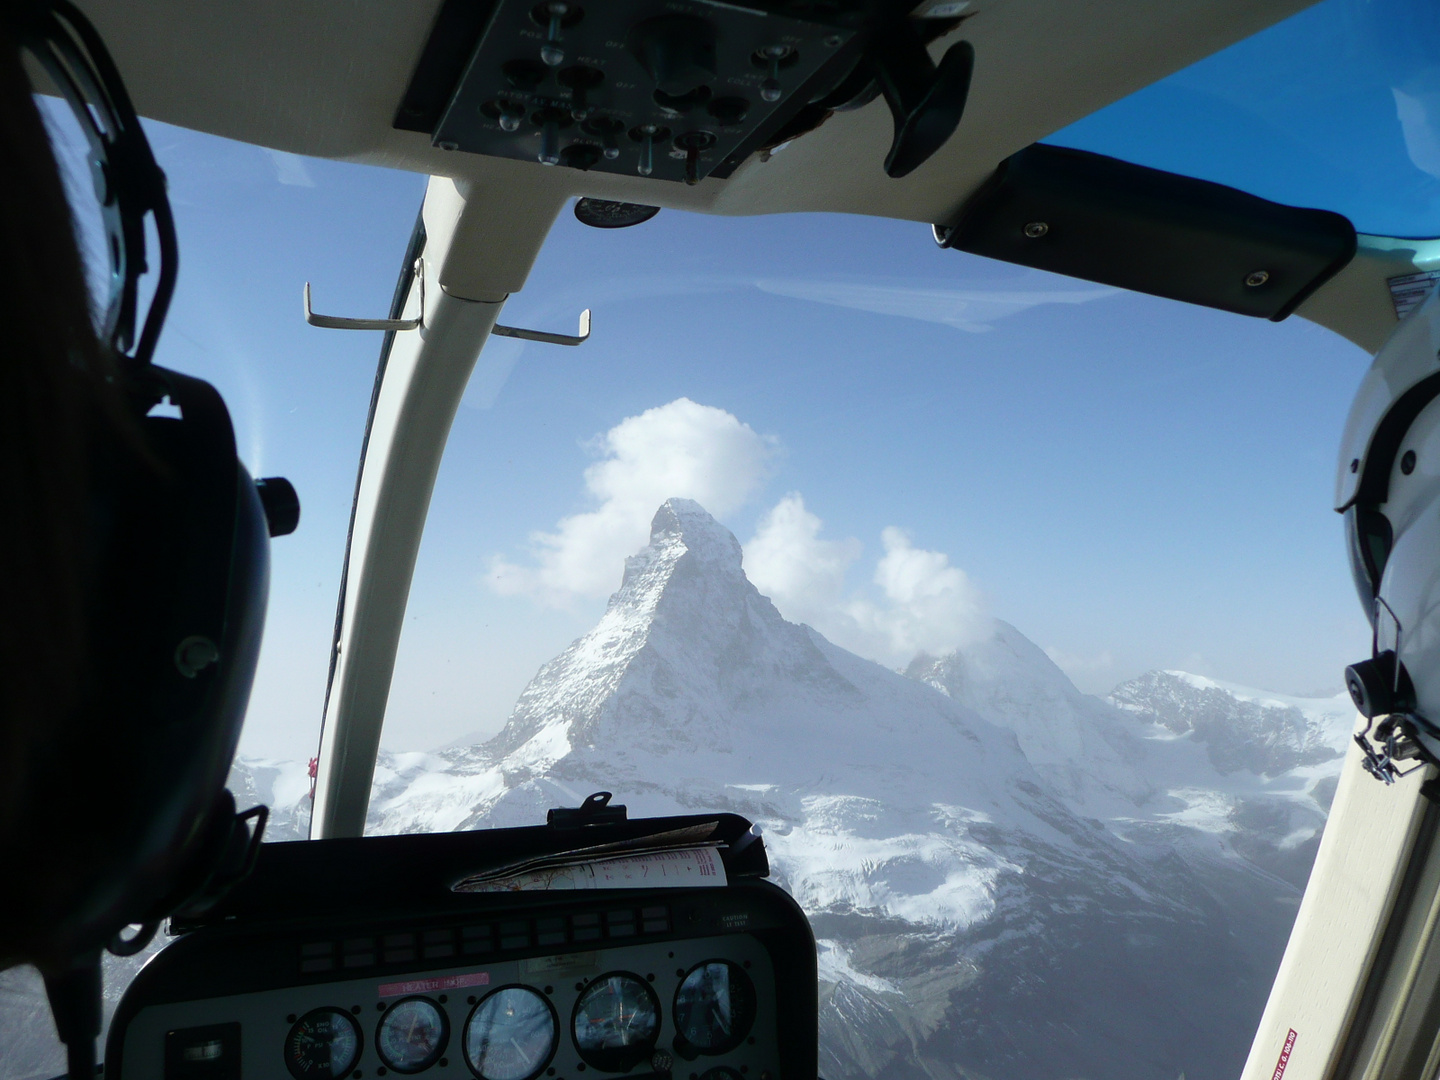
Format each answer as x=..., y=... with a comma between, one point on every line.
x=1256, y=278
x=194, y=655
x=448, y=145
x=1036, y=229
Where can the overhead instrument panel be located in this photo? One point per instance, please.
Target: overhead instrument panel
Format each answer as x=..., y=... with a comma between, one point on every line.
x=679, y=89
x=508, y=954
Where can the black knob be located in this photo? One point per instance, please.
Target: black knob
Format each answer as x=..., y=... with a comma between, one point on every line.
x=524, y=74
x=580, y=156
x=281, y=504
x=677, y=50
x=729, y=110
x=1371, y=685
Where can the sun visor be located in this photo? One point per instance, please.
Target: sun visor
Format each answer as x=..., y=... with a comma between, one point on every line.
x=1404, y=378
x=1105, y=220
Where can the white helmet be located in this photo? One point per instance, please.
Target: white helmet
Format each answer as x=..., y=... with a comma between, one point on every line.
x=1388, y=488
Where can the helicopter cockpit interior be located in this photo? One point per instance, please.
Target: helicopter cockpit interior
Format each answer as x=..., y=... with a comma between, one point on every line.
x=545, y=939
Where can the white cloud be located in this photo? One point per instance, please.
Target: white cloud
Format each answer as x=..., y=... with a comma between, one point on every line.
x=930, y=606
x=679, y=450
x=920, y=603
x=788, y=562
x=965, y=309
x=916, y=600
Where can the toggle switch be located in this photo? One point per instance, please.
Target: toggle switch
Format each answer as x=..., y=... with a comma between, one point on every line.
x=607, y=129
x=773, y=58
x=581, y=80
x=693, y=142
x=508, y=114
x=555, y=15
x=647, y=135
x=550, y=121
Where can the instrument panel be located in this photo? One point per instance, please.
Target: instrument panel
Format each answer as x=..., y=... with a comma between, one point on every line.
x=702, y=1009
x=356, y=959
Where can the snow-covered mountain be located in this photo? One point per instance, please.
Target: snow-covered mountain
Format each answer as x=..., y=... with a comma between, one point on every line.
x=1008, y=878
x=1275, y=761
x=975, y=916
x=1243, y=730
x=1169, y=757
x=1092, y=755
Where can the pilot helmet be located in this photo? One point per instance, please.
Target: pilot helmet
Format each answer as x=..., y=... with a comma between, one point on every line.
x=1388, y=489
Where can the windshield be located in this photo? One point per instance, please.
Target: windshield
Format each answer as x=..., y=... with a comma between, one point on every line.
x=1337, y=107
x=820, y=520
x=1010, y=606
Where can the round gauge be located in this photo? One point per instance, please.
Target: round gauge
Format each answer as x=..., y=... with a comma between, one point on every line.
x=324, y=1044
x=715, y=1006
x=412, y=1034
x=617, y=1020
x=511, y=1034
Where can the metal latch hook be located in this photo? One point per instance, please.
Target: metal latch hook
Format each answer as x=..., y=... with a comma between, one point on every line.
x=549, y=339
x=335, y=322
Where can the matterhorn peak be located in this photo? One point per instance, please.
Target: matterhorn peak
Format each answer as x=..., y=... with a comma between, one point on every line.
x=692, y=524
x=682, y=531
x=685, y=618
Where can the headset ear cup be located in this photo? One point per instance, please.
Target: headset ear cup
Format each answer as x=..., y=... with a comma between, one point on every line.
x=128, y=815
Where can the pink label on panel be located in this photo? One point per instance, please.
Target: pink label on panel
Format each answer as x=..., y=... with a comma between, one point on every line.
x=430, y=986
x=1284, y=1056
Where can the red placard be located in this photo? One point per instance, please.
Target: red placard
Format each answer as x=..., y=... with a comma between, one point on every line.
x=430, y=986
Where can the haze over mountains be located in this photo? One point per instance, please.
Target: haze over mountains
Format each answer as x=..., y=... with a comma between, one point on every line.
x=1008, y=878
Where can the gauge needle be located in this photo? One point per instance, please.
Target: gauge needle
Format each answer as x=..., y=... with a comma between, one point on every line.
x=529, y=1058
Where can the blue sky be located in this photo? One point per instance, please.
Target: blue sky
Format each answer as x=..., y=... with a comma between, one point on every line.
x=908, y=441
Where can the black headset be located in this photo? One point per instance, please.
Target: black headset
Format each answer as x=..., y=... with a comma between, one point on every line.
x=179, y=535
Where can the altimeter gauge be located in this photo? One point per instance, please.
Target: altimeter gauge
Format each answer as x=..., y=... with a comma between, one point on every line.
x=324, y=1044
x=511, y=1034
